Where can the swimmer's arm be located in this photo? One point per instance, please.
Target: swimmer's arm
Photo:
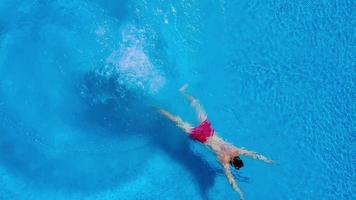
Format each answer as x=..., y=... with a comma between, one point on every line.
x=232, y=180
x=254, y=155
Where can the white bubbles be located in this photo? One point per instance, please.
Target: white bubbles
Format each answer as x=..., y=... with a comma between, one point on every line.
x=100, y=31
x=132, y=62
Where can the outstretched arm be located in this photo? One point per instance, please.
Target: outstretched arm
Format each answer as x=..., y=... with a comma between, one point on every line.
x=254, y=155
x=232, y=180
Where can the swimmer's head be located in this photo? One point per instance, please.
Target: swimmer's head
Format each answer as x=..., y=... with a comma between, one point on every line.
x=236, y=162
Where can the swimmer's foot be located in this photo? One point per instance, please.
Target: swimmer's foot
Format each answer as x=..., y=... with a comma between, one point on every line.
x=183, y=88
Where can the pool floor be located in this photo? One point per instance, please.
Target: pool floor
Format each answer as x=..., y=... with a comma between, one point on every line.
x=80, y=81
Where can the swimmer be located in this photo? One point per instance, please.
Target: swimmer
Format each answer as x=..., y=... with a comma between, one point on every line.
x=227, y=154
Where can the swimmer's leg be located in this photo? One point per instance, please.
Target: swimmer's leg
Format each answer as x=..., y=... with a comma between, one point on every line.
x=179, y=122
x=201, y=114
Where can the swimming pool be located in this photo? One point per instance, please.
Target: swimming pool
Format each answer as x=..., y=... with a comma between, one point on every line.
x=78, y=80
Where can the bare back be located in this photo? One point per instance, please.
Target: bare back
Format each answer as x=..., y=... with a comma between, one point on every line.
x=224, y=150
x=205, y=134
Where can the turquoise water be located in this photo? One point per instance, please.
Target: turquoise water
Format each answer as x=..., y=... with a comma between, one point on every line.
x=78, y=80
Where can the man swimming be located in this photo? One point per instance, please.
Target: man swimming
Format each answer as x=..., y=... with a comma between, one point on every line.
x=227, y=154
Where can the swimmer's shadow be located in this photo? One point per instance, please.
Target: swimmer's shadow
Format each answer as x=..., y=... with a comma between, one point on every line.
x=176, y=144
x=109, y=100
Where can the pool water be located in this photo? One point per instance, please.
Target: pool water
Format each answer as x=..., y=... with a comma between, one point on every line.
x=79, y=81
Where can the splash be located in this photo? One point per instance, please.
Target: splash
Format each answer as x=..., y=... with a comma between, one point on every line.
x=133, y=64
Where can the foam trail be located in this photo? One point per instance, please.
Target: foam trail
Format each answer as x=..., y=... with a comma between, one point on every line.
x=133, y=64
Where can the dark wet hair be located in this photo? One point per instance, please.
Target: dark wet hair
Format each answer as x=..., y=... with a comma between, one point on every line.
x=236, y=162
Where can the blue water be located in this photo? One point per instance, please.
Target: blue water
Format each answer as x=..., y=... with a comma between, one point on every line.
x=78, y=80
